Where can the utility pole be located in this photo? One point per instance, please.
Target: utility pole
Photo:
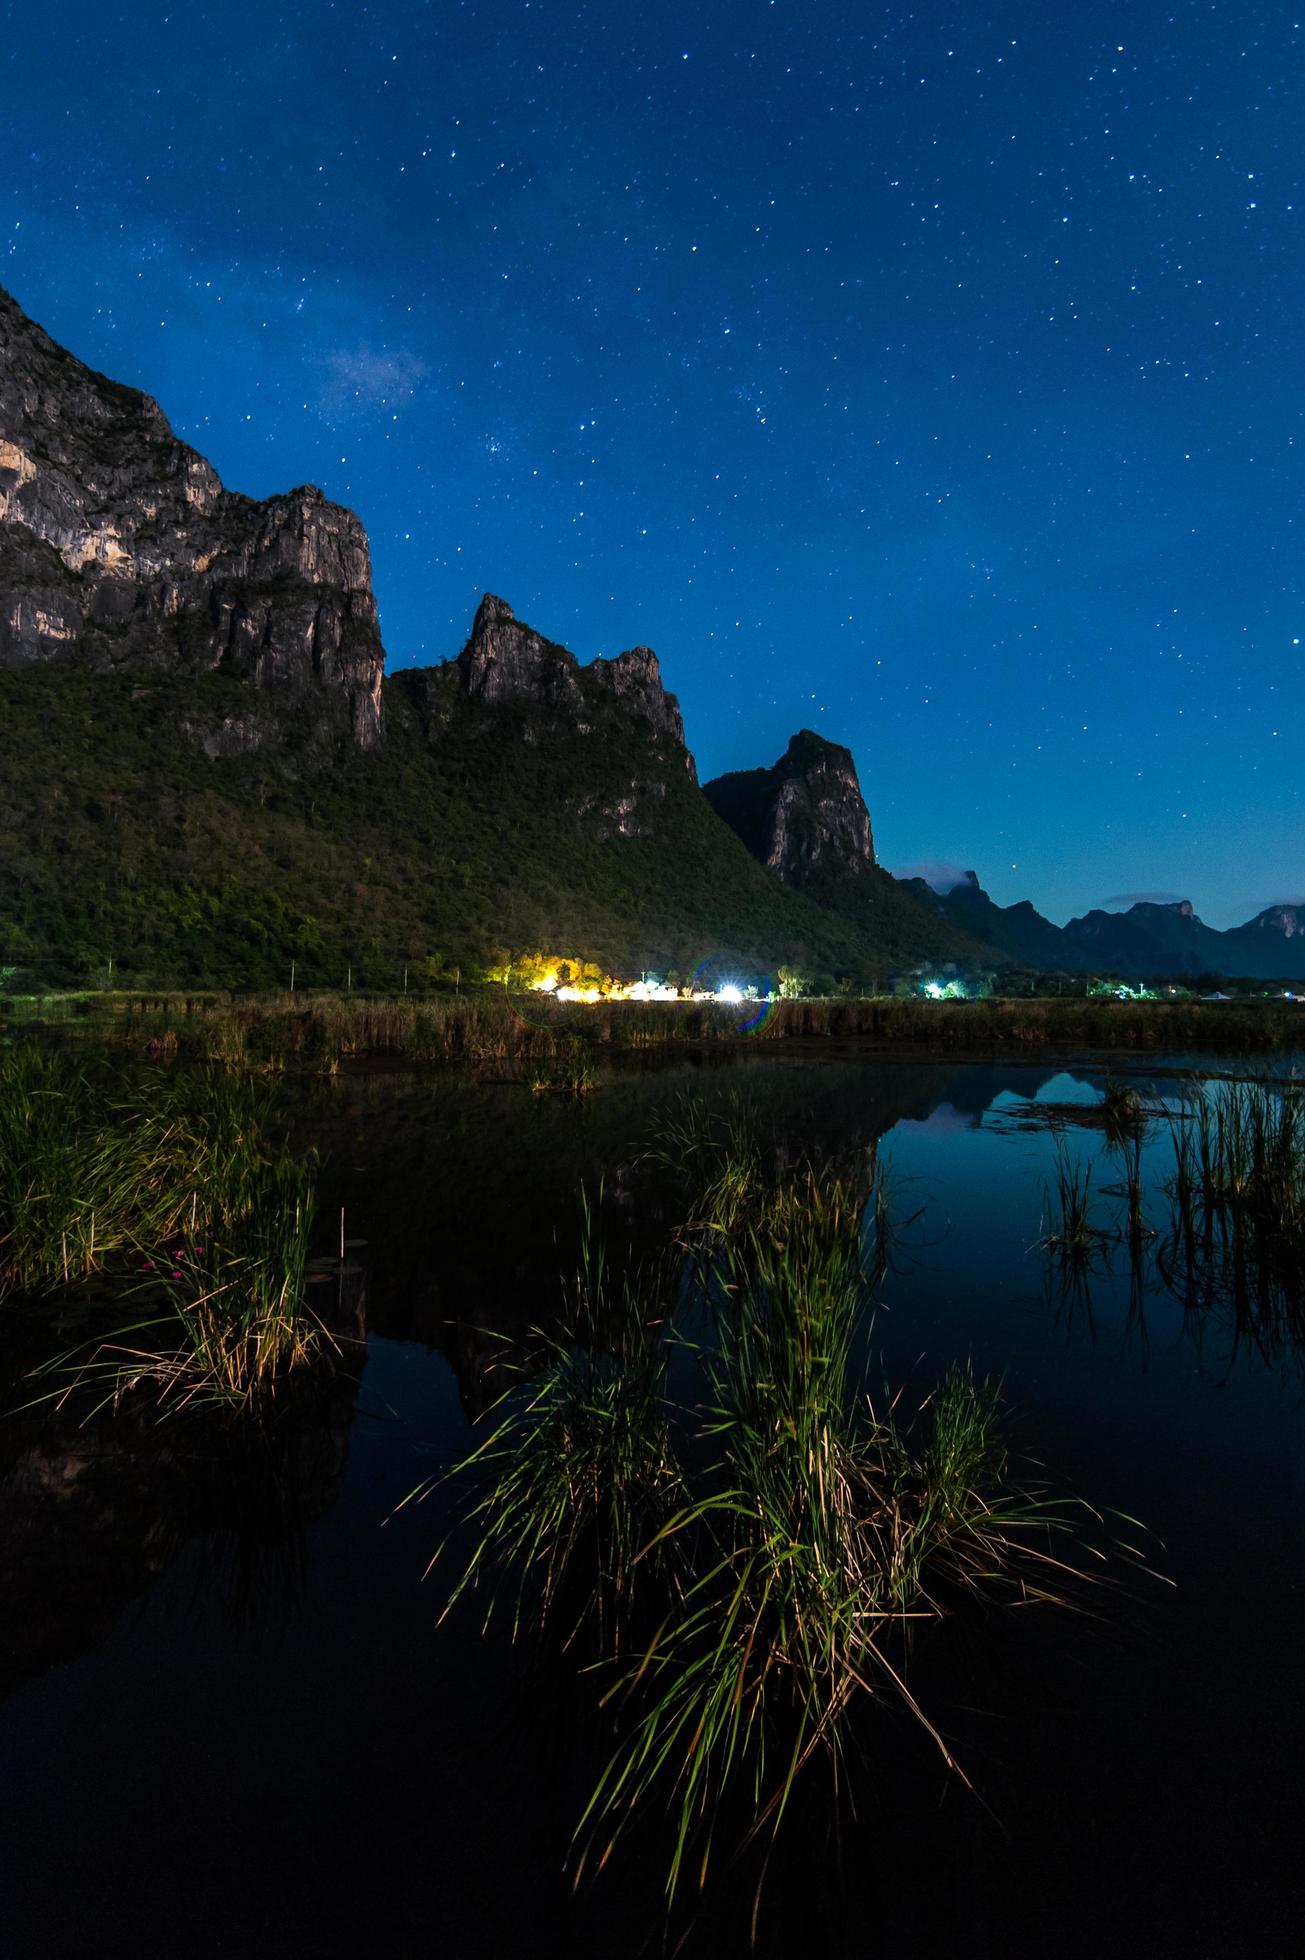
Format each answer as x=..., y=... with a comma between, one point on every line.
x=292, y=976
x=405, y=979
x=348, y=984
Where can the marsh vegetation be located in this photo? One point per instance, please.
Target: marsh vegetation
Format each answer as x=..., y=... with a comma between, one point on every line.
x=696, y=1487
x=1228, y=1167
x=750, y=1381
x=315, y=1033
x=154, y=1211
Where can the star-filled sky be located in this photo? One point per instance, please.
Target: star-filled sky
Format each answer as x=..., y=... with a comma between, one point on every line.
x=933, y=378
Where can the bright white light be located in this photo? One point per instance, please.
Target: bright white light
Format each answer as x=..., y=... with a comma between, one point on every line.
x=729, y=994
x=934, y=990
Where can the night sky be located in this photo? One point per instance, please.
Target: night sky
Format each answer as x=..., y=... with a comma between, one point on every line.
x=930, y=379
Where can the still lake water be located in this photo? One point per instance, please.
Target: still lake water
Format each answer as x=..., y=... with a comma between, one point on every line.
x=231, y=1724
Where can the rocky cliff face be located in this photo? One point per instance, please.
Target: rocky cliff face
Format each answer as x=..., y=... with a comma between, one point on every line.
x=506, y=660
x=1270, y=946
x=805, y=816
x=1277, y=922
x=120, y=546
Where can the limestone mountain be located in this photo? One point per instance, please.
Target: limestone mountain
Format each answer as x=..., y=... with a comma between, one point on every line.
x=480, y=828
x=806, y=820
x=804, y=817
x=119, y=547
x=505, y=660
x=204, y=774
x=1272, y=944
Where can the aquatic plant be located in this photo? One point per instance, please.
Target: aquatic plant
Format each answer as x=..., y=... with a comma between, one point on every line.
x=579, y=1473
x=94, y=1164
x=716, y=1157
x=1070, y=1232
x=782, y=1536
x=1238, y=1194
x=1132, y=1150
x=571, y=1073
x=818, y=1533
x=1124, y=1114
x=223, y=1319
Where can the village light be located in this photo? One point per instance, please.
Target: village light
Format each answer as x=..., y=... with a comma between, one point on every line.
x=729, y=993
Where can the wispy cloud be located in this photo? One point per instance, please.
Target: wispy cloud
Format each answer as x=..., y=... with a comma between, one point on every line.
x=943, y=877
x=1142, y=898
x=370, y=377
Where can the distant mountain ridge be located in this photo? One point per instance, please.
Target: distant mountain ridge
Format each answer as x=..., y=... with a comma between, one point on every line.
x=806, y=820
x=1150, y=940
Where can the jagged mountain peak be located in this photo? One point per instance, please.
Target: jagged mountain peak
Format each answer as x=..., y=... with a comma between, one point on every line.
x=492, y=611
x=1285, y=918
x=120, y=546
x=504, y=659
x=806, y=747
x=805, y=815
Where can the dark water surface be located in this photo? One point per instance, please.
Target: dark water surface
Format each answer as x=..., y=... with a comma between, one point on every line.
x=232, y=1725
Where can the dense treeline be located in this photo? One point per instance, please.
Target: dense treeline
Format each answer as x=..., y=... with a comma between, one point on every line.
x=475, y=833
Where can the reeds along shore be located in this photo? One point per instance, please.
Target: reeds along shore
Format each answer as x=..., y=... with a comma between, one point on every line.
x=164, y=1190
x=318, y=1031
x=1234, y=1176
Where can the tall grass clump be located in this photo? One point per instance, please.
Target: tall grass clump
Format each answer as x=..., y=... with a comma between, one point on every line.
x=781, y=1536
x=1123, y=1113
x=1238, y=1192
x=167, y=1188
x=95, y=1165
x=579, y=1473
x=818, y=1533
x=222, y=1320
x=1070, y=1231
x=718, y=1158
x=570, y=1073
